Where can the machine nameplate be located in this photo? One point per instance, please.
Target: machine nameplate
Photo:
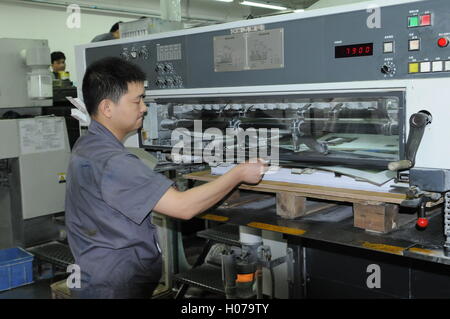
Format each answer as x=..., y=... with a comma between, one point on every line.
x=249, y=51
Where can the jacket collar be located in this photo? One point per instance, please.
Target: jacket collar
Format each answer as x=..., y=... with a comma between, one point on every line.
x=98, y=129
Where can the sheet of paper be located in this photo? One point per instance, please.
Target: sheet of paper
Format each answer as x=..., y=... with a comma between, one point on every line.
x=38, y=135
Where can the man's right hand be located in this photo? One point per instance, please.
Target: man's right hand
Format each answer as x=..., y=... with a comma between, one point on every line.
x=187, y=204
x=252, y=172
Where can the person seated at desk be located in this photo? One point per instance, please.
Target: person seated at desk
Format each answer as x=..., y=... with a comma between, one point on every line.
x=58, y=60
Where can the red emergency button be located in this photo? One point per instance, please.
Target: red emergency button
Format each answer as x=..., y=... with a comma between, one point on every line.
x=443, y=42
x=425, y=20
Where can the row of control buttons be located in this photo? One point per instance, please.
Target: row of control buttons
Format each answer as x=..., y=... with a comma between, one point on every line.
x=414, y=45
x=427, y=66
x=419, y=21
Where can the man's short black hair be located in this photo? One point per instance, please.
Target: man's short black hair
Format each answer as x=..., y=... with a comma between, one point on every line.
x=108, y=78
x=57, y=55
x=115, y=27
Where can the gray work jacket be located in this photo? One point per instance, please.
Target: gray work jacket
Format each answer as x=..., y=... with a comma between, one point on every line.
x=109, y=196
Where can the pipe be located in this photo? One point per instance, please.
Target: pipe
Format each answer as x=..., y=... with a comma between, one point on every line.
x=134, y=13
x=170, y=10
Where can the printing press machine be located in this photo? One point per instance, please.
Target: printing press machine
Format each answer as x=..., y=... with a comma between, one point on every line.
x=351, y=97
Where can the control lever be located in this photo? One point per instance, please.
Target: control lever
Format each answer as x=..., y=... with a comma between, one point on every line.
x=417, y=123
x=418, y=198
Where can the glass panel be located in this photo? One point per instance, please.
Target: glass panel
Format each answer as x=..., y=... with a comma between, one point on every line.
x=322, y=129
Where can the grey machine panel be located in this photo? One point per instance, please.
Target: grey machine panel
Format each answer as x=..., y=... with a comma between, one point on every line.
x=308, y=46
x=13, y=87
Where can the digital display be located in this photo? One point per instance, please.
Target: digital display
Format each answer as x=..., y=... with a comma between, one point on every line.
x=354, y=50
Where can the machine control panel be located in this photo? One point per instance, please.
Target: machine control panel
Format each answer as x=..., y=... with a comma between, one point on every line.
x=161, y=60
x=411, y=41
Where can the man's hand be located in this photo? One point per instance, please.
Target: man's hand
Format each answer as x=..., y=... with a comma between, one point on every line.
x=187, y=204
x=252, y=172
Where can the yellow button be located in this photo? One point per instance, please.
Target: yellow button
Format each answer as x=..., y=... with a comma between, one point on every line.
x=413, y=68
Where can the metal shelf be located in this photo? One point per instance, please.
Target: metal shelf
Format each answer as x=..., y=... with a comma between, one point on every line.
x=205, y=276
x=53, y=252
x=225, y=234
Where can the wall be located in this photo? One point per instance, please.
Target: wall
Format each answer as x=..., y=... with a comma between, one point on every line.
x=24, y=19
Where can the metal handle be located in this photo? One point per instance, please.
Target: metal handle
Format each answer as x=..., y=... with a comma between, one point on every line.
x=417, y=123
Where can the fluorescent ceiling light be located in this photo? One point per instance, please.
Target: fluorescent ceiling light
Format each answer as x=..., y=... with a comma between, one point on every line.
x=299, y=10
x=225, y=0
x=262, y=5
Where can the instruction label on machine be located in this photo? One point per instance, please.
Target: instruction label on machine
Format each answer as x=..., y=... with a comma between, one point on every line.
x=39, y=135
x=249, y=51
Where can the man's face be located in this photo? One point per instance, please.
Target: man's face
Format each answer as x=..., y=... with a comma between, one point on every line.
x=59, y=65
x=128, y=112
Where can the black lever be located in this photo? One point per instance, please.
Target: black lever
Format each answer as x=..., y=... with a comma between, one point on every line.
x=417, y=123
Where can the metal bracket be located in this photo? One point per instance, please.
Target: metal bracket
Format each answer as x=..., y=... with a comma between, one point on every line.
x=264, y=253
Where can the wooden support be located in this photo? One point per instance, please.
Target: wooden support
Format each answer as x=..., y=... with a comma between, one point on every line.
x=290, y=205
x=379, y=217
x=372, y=211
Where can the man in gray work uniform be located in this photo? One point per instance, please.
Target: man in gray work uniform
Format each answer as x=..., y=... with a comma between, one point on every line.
x=111, y=193
x=113, y=34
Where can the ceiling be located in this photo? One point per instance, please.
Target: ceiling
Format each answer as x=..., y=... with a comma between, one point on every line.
x=290, y=4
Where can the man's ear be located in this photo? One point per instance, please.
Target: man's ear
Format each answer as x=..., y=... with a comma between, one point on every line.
x=105, y=108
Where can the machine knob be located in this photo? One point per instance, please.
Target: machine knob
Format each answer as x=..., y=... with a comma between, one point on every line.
x=386, y=69
x=159, y=83
x=169, y=82
x=125, y=55
x=168, y=67
x=144, y=53
x=422, y=223
x=159, y=68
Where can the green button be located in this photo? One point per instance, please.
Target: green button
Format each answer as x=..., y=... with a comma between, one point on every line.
x=413, y=21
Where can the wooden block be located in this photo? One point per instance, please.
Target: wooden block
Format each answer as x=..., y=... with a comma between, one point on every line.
x=290, y=205
x=60, y=290
x=380, y=218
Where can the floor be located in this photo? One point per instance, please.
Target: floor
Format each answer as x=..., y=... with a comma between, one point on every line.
x=38, y=290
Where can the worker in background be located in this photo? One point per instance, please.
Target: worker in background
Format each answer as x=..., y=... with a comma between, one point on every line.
x=111, y=192
x=58, y=60
x=111, y=35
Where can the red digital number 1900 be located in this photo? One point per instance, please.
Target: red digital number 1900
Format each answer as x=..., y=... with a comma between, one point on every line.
x=354, y=50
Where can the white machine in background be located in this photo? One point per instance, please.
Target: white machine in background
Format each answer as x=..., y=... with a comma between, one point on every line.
x=34, y=150
x=342, y=88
